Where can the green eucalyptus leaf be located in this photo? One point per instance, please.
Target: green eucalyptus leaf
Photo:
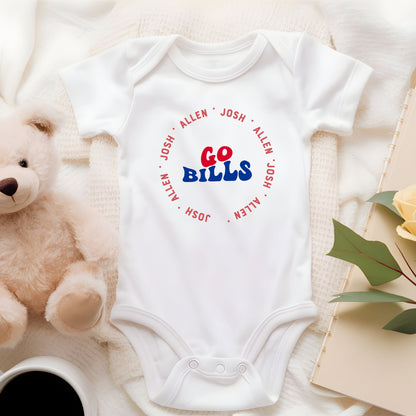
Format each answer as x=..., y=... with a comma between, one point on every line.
x=370, y=296
x=372, y=257
x=385, y=199
x=404, y=323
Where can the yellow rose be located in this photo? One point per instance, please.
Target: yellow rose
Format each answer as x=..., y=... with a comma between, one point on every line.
x=405, y=202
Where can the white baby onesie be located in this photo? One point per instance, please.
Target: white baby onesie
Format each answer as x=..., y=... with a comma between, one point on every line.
x=214, y=284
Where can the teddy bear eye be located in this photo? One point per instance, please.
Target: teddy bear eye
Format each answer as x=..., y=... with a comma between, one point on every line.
x=23, y=163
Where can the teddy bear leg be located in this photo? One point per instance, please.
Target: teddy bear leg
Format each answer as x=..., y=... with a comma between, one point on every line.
x=13, y=319
x=78, y=302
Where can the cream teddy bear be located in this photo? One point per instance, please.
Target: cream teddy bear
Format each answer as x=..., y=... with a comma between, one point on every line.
x=52, y=247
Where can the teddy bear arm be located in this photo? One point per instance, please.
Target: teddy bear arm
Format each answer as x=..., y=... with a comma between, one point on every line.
x=94, y=237
x=13, y=318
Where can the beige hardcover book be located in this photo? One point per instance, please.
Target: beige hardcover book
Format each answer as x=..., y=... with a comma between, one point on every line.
x=359, y=358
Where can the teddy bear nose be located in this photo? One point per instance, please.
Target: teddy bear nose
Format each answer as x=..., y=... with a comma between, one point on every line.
x=8, y=186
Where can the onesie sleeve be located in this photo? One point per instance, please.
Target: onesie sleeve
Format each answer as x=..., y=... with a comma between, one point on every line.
x=330, y=85
x=100, y=91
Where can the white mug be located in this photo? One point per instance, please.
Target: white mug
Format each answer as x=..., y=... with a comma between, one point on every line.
x=61, y=368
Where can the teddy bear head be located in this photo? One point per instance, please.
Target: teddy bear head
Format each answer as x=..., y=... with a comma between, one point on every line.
x=28, y=159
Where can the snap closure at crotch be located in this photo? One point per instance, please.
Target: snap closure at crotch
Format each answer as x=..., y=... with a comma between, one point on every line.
x=220, y=368
x=193, y=364
x=242, y=368
x=220, y=380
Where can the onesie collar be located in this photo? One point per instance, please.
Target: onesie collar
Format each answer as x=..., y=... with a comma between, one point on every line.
x=254, y=42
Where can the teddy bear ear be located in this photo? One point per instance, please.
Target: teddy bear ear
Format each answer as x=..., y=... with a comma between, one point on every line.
x=44, y=125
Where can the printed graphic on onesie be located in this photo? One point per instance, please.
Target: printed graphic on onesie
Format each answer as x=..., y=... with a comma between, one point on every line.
x=192, y=165
x=214, y=148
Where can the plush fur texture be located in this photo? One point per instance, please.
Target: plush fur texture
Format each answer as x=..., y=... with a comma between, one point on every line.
x=52, y=247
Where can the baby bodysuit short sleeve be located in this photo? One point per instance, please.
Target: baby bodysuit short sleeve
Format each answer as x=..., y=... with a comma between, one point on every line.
x=330, y=85
x=214, y=273
x=100, y=91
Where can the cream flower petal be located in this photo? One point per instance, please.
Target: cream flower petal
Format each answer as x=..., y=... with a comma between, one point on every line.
x=405, y=208
x=410, y=226
x=408, y=193
x=405, y=202
x=405, y=234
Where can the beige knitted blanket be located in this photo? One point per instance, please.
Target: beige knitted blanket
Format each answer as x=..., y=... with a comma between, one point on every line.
x=222, y=21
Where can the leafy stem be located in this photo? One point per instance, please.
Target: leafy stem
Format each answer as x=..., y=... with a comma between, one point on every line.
x=407, y=263
x=396, y=270
x=379, y=267
x=372, y=257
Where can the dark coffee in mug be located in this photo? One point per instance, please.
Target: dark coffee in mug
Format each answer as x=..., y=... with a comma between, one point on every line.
x=39, y=393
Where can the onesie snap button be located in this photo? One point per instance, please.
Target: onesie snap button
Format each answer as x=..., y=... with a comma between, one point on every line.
x=242, y=368
x=193, y=364
x=220, y=368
